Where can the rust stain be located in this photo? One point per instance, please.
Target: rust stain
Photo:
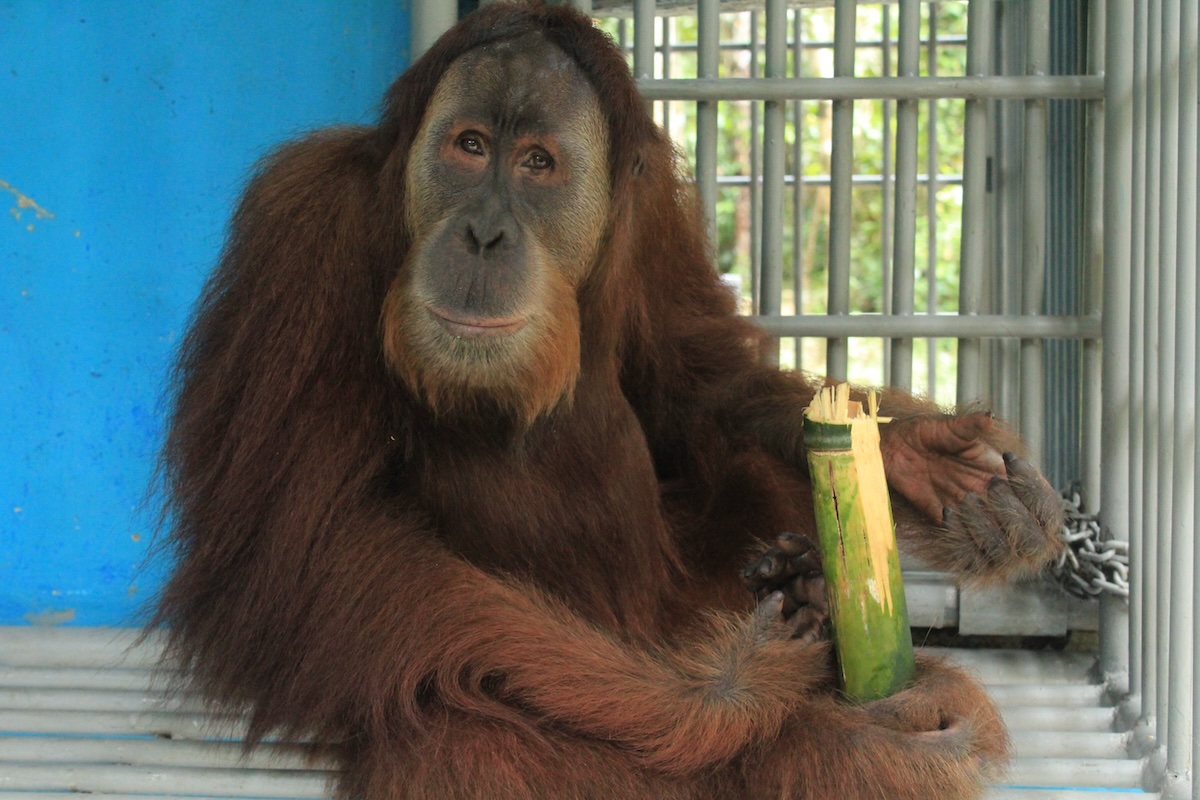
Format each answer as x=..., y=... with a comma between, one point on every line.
x=48, y=618
x=24, y=203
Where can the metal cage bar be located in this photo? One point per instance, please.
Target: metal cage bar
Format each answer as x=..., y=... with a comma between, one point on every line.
x=770, y=296
x=643, y=44
x=665, y=35
x=1033, y=228
x=756, y=145
x=1139, y=669
x=1188, y=254
x=798, y=183
x=839, y=88
x=1180, y=115
x=1188, y=260
x=1167, y=47
x=429, y=21
x=887, y=188
x=904, y=240
x=1113, y=610
x=973, y=251
x=1154, y=620
x=936, y=326
x=1092, y=289
x=931, y=156
x=751, y=177
x=708, y=32
x=841, y=170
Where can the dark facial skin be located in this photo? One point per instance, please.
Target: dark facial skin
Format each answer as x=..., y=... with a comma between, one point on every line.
x=508, y=198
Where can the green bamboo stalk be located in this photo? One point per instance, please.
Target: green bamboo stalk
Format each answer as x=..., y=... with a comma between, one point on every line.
x=858, y=546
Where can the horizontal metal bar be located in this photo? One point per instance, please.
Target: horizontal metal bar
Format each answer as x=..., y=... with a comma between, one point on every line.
x=1007, y=667
x=160, y=795
x=807, y=44
x=931, y=326
x=134, y=680
x=1001, y=793
x=103, y=648
x=1034, y=695
x=40, y=795
x=154, y=753
x=1042, y=744
x=1023, y=87
x=1059, y=719
x=857, y=180
x=1078, y=772
x=97, y=700
x=166, y=782
x=994, y=793
x=120, y=723
x=932, y=600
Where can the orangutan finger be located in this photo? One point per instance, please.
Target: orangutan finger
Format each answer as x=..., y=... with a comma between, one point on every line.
x=1034, y=492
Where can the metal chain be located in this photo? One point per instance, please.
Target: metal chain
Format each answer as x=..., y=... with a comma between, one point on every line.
x=1089, y=565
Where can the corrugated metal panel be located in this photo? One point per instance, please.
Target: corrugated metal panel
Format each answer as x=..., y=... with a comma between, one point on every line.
x=82, y=711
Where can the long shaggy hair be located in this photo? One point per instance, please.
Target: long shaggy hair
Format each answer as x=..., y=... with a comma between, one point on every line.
x=536, y=595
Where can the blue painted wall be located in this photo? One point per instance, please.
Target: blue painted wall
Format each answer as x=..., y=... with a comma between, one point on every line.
x=126, y=132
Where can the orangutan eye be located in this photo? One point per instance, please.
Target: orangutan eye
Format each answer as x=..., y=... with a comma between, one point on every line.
x=471, y=142
x=539, y=161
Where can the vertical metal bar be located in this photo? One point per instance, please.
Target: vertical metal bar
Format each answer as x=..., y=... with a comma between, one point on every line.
x=755, y=184
x=841, y=174
x=1167, y=185
x=1120, y=654
x=798, y=183
x=931, y=191
x=643, y=42
x=887, y=199
x=1065, y=254
x=1092, y=303
x=580, y=5
x=1115, y=378
x=1187, y=262
x=904, y=241
x=665, y=35
x=973, y=263
x=429, y=21
x=708, y=21
x=1140, y=565
x=770, y=299
x=1033, y=250
x=1153, y=699
x=1177, y=115
x=1006, y=285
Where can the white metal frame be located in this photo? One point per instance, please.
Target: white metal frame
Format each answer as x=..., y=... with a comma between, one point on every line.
x=1137, y=321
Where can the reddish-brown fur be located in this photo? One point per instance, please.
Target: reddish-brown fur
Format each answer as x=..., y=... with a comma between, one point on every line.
x=539, y=604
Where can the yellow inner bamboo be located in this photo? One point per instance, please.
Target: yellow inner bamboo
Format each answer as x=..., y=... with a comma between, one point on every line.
x=833, y=405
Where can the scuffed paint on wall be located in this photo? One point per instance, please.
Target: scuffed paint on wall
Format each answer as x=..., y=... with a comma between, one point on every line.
x=129, y=131
x=50, y=618
x=24, y=202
